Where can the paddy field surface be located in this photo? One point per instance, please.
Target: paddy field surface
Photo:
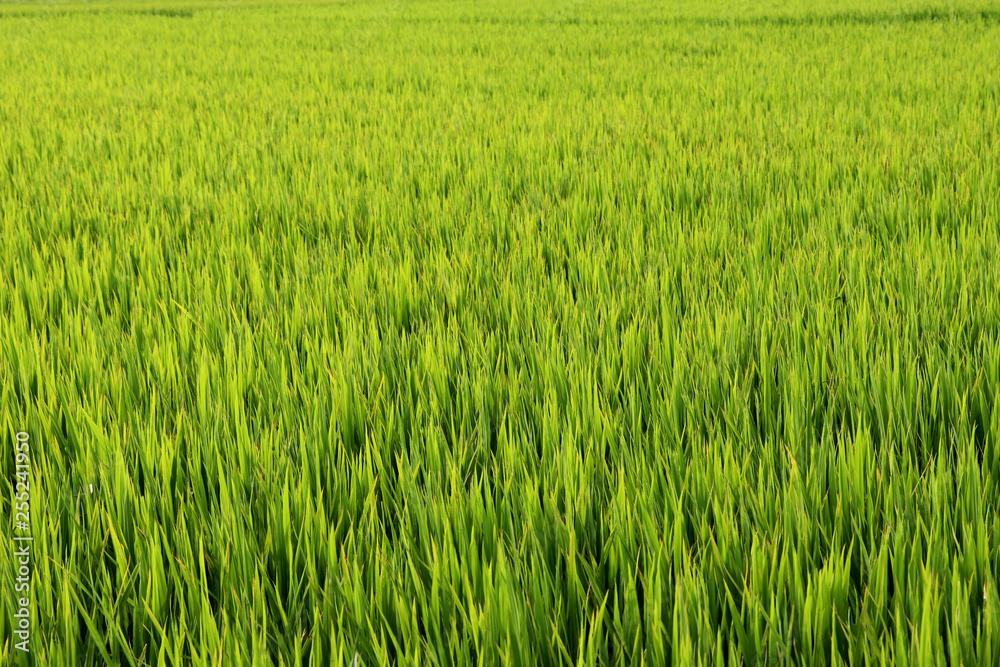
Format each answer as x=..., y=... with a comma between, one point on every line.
x=502, y=333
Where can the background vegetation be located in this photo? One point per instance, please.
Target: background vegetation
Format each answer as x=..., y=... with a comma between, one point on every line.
x=526, y=333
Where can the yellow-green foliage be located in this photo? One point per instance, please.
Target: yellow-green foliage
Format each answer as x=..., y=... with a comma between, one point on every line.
x=528, y=332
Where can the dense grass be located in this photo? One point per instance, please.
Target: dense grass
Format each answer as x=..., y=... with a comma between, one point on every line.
x=524, y=333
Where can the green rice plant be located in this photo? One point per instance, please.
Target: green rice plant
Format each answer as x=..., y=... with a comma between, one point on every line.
x=520, y=333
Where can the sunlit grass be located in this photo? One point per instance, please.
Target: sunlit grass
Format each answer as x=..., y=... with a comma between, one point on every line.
x=524, y=333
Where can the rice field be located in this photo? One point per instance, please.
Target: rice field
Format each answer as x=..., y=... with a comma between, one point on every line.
x=549, y=332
